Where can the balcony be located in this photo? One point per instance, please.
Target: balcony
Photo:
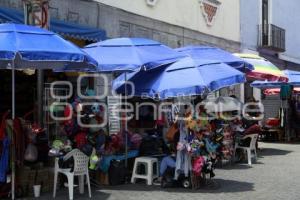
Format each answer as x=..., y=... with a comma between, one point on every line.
x=271, y=37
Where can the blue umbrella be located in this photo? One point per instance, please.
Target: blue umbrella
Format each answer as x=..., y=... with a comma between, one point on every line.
x=131, y=54
x=36, y=48
x=293, y=76
x=185, y=77
x=293, y=79
x=23, y=47
x=213, y=53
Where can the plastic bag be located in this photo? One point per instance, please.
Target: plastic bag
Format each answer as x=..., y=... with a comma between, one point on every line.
x=31, y=153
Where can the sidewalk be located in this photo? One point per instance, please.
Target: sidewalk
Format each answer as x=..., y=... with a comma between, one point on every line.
x=276, y=175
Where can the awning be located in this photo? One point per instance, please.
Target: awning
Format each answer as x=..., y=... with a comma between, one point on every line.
x=58, y=26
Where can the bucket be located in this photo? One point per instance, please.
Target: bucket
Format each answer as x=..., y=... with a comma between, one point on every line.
x=37, y=190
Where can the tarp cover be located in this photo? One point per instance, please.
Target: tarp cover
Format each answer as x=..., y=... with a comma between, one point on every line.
x=76, y=31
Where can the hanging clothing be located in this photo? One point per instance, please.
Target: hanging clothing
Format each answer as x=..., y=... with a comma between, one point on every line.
x=19, y=139
x=282, y=116
x=183, y=159
x=4, y=160
x=3, y=125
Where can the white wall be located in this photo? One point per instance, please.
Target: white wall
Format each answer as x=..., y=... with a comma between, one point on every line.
x=187, y=13
x=286, y=14
x=250, y=18
x=282, y=13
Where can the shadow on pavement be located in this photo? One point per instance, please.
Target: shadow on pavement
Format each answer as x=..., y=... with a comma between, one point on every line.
x=237, y=166
x=63, y=194
x=272, y=152
x=216, y=186
x=219, y=186
x=280, y=142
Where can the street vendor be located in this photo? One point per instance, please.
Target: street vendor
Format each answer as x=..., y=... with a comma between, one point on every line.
x=168, y=161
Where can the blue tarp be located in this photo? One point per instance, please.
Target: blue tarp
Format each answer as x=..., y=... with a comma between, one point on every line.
x=131, y=54
x=266, y=84
x=105, y=160
x=293, y=76
x=185, y=77
x=32, y=47
x=213, y=53
x=8, y=15
x=4, y=160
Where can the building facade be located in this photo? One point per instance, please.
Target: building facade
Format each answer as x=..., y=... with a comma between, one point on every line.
x=270, y=28
x=179, y=22
x=173, y=22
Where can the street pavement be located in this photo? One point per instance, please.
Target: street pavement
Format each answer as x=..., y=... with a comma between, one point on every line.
x=275, y=176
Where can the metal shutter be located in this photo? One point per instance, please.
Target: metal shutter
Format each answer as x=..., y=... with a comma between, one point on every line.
x=271, y=104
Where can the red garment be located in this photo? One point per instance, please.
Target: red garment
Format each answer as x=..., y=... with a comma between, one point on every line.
x=273, y=122
x=19, y=141
x=254, y=129
x=68, y=111
x=3, y=126
x=161, y=121
x=80, y=140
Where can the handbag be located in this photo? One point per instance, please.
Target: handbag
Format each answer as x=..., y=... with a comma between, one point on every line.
x=170, y=136
x=31, y=153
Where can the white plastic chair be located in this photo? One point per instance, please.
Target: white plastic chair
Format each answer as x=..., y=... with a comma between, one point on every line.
x=81, y=162
x=250, y=148
x=149, y=163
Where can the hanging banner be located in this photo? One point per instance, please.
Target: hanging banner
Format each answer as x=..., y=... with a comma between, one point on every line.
x=37, y=13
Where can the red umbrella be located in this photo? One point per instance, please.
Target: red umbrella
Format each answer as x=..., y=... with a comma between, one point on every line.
x=274, y=91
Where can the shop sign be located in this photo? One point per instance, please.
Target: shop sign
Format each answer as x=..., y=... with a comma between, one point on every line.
x=37, y=13
x=209, y=10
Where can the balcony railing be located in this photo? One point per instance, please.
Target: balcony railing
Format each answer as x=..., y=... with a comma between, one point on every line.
x=271, y=37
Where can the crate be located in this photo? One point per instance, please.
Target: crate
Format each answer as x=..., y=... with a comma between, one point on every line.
x=45, y=177
x=25, y=178
x=195, y=181
x=102, y=178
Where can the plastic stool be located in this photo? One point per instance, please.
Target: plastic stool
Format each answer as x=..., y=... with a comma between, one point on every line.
x=149, y=176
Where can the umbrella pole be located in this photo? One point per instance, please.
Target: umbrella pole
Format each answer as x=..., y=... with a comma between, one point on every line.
x=126, y=125
x=12, y=135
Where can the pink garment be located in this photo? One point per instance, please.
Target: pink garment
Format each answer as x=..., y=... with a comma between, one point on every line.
x=160, y=121
x=198, y=165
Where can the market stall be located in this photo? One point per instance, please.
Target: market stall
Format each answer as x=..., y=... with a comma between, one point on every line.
x=287, y=118
x=159, y=73
x=19, y=51
x=199, y=142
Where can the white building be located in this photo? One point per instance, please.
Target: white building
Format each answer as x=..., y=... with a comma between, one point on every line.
x=173, y=22
x=271, y=28
x=279, y=41
x=189, y=14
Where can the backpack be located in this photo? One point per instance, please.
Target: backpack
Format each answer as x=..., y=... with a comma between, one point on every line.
x=116, y=172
